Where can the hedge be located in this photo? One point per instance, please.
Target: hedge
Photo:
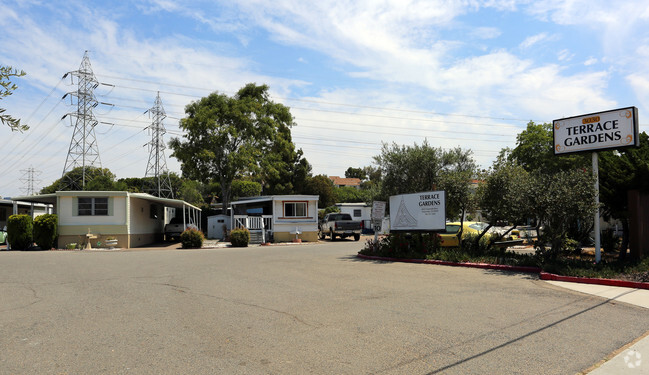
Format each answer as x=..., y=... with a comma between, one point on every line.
x=19, y=232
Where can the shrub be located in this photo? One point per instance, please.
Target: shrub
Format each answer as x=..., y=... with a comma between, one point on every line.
x=240, y=237
x=19, y=231
x=45, y=230
x=192, y=239
x=403, y=245
x=471, y=246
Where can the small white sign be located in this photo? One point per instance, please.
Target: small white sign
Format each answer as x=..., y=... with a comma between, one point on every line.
x=378, y=210
x=419, y=211
x=596, y=131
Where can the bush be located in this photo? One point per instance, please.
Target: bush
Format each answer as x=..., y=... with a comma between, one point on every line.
x=403, y=245
x=19, y=231
x=471, y=246
x=192, y=239
x=45, y=231
x=240, y=237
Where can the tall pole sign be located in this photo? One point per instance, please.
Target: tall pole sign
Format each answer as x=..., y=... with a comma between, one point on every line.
x=593, y=132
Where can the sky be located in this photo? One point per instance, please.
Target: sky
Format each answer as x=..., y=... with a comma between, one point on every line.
x=355, y=74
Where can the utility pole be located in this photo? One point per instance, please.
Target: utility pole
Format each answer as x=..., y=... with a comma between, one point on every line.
x=83, y=152
x=157, y=165
x=29, y=180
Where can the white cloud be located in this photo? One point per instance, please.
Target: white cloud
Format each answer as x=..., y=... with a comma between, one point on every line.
x=532, y=40
x=565, y=55
x=591, y=61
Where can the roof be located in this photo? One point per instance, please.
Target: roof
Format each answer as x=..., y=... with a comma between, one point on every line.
x=52, y=198
x=268, y=198
x=345, y=181
x=9, y=202
x=357, y=204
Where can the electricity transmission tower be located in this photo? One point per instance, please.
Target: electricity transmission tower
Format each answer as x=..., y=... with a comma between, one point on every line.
x=29, y=180
x=83, y=152
x=160, y=183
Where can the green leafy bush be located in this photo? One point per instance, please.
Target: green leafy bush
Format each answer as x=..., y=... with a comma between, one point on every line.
x=45, y=230
x=471, y=246
x=19, y=231
x=192, y=239
x=403, y=245
x=240, y=237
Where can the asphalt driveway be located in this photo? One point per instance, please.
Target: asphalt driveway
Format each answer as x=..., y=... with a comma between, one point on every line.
x=297, y=309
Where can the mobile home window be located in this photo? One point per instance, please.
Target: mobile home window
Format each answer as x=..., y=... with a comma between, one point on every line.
x=295, y=209
x=357, y=213
x=93, y=207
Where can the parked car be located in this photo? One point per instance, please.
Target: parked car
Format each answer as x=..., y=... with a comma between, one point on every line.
x=3, y=235
x=339, y=225
x=449, y=236
x=176, y=227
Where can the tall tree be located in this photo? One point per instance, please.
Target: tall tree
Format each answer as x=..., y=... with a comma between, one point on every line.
x=322, y=186
x=534, y=151
x=6, y=89
x=502, y=196
x=457, y=172
x=562, y=200
x=619, y=172
x=98, y=179
x=226, y=137
x=355, y=173
x=408, y=169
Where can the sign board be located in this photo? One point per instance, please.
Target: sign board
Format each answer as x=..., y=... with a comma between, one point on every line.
x=378, y=210
x=596, y=131
x=418, y=212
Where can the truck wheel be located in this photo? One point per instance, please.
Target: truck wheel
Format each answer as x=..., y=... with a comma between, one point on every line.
x=321, y=235
x=332, y=234
x=357, y=237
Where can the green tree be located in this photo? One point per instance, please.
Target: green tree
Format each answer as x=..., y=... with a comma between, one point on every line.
x=243, y=188
x=408, y=169
x=348, y=194
x=355, y=173
x=190, y=192
x=6, y=89
x=227, y=137
x=457, y=172
x=619, y=172
x=503, y=195
x=411, y=169
x=321, y=185
x=534, y=151
x=561, y=201
x=97, y=179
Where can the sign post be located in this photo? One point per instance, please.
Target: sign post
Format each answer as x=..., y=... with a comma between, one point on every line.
x=378, y=213
x=598, y=235
x=608, y=130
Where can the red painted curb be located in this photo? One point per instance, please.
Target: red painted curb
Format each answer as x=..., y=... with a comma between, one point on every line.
x=501, y=267
x=586, y=280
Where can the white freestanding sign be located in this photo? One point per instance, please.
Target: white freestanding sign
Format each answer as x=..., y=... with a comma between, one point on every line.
x=596, y=131
x=418, y=212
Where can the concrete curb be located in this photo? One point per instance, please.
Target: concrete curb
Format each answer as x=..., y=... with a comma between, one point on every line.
x=502, y=267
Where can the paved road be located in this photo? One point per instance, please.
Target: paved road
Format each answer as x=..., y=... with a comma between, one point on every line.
x=302, y=309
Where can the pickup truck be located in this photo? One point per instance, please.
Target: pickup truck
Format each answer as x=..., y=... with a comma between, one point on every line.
x=176, y=227
x=339, y=225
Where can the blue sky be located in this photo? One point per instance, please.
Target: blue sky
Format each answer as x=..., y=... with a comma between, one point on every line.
x=354, y=73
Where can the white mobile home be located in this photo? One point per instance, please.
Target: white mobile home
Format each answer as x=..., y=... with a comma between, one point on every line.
x=135, y=219
x=282, y=217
